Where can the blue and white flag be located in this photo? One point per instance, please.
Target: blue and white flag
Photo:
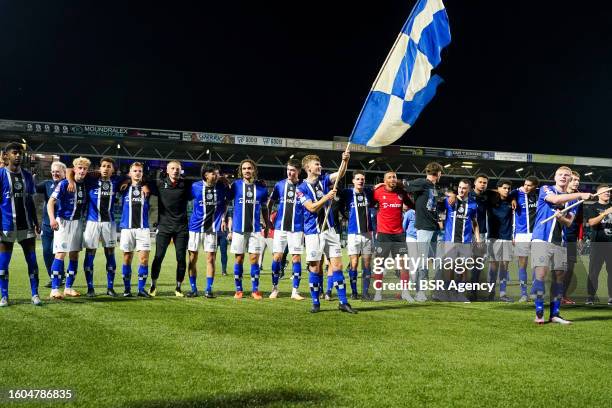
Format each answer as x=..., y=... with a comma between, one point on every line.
x=404, y=84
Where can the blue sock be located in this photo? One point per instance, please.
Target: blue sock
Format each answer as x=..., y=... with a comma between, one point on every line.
x=57, y=270
x=143, y=273
x=523, y=280
x=209, y=283
x=555, y=304
x=238, y=277
x=127, y=277
x=297, y=274
x=532, y=291
x=353, y=279
x=492, y=275
x=192, y=282
x=5, y=259
x=276, y=267
x=314, y=281
x=32, y=271
x=111, y=267
x=330, y=284
x=338, y=278
x=503, y=280
x=88, y=264
x=538, y=287
x=255, y=277
x=72, y=271
x=365, y=280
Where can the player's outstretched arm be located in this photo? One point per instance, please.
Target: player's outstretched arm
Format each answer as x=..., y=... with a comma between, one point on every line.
x=343, y=166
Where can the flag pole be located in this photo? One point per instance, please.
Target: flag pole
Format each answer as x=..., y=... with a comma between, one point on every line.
x=327, y=208
x=574, y=205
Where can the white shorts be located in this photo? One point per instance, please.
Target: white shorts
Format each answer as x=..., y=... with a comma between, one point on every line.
x=68, y=237
x=500, y=250
x=412, y=247
x=327, y=242
x=455, y=250
x=359, y=244
x=246, y=242
x=282, y=239
x=547, y=254
x=205, y=240
x=138, y=239
x=17, y=236
x=99, y=231
x=522, y=244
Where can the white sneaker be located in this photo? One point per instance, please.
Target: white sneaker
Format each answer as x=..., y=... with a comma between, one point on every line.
x=406, y=296
x=274, y=294
x=36, y=300
x=559, y=319
x=377, y=296
x=420, y=296
x=4, y=301
x=523, y=299
x=295, y=295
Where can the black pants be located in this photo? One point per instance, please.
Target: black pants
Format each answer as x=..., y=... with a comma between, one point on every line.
x=601, y=252
x=162, y=241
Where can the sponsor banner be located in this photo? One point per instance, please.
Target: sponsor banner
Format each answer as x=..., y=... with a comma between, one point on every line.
x=592, y=161
x=259, y=141
x=53, y=128
x=108, y=131
x=341, y=146
x=552, y=158
x=469, y=154
x=505, y=156
x=12, y=126
x=76, y=130
x=203, y=137
x=412, y=151
x=310, y=144
x=163, y=134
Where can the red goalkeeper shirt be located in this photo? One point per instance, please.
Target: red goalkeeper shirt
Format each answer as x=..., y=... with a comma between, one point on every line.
x=389, y=217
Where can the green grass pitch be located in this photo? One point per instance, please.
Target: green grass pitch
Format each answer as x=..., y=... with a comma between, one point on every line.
x=172, y=352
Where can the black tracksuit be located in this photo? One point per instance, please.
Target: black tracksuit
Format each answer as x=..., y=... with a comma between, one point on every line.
x=172, y=223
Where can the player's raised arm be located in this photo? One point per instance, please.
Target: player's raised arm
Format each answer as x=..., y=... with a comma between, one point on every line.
x=343, y=166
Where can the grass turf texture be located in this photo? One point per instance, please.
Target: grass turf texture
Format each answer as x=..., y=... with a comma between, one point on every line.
x=223, y=352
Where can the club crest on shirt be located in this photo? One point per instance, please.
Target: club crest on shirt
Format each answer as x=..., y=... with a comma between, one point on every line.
x=319, y=194
x=460, y=210
x=18, y=185
x=136, y=193
x=249, y=194
x=209, y=196
x=105, y=186
x=359, y=198
x=80, y=194
x=289, y=194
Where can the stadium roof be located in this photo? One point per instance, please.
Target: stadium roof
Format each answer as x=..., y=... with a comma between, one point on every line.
x=156, y=144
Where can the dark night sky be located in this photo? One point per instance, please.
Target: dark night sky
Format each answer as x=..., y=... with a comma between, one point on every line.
x=525, y=76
